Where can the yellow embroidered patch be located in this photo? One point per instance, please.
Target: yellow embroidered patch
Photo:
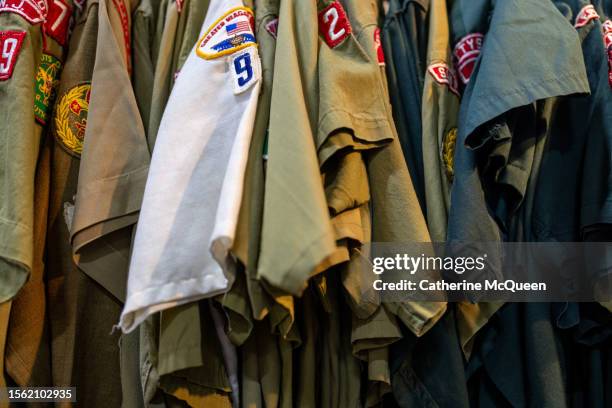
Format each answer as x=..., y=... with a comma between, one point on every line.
x=448, y=153
x=71, y=118
x=46, y=81
x=233, y=31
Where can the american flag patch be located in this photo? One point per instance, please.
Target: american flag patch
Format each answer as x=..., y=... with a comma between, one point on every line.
x=238, y=27
x=231, y=32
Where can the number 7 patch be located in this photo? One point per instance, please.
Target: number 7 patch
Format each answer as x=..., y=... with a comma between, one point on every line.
x=245, y=68
x=58, y=19
x=334, y=24
x=10, y=45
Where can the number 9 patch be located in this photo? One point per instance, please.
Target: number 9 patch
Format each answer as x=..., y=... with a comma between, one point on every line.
x=245, y=68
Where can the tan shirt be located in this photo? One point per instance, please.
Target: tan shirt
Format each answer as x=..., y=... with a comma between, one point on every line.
x=110, y=192
x=19, y=146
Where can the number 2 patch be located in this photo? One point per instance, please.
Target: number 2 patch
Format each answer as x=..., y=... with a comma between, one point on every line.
x=334, y=24
x=245, y=68
x=10, y=45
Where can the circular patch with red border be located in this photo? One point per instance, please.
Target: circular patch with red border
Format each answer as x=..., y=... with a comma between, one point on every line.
x=71, y=118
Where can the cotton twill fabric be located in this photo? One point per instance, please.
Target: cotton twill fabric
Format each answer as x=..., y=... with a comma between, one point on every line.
x=19, y=146
x=486, y=98
x=299, y=214
x=27, y=355
x=109, y=192
x=439, y=117
x=81, y=314
x=198, y=197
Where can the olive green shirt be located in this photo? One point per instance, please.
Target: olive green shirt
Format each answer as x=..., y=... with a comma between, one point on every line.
x=294, y=202
x=27, y=356
x=19, y=147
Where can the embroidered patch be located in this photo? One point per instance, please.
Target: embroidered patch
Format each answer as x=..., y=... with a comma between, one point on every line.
x=46, y=81
x=71, y=118
x=245, y=68
x=58, y=21
x=125, y=26
x=448, y=153
x=586, y=14
x=607, y=33
x=444, y=75
x=272, y=27
x=466, y=53
x=10, y=45
x=380, y=54
x=334, y=25
x=231, y=32
x=35, y=11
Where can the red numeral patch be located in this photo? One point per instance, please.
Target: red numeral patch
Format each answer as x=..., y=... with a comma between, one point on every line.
x=466, y=53
x=380, y=54
x=334, y=24
x=443, y=75
x=10, y=45
x=58, y=20
x=35, y=11
x=585, y=15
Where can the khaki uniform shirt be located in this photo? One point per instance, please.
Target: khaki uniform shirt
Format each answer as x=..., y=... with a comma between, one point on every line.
x=19, y=147
x=27, y=355
x=294, y=202
x=81, y=313
x=110, y=192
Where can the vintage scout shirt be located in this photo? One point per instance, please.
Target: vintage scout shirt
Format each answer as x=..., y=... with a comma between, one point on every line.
x=249, y=299
x=440, y=108
x=397, y=217
x=246, y=246
x=80, y=312
x=109, y=192
x=559, y=71
x=21, y=50
x=27, y=354
x=354, y=128
x=294, y=202
x=169, y=266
